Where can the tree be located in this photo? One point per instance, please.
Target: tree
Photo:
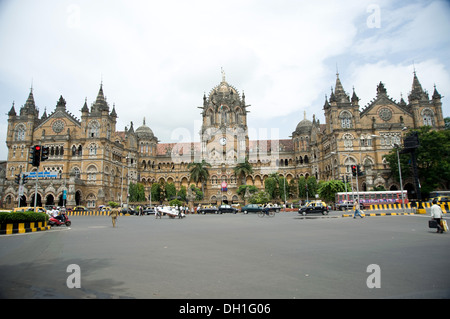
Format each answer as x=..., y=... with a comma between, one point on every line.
x=433, y=160
x=243, y=169
x=170, y=191
x=157, y=192
x=199, y=172
x=137, y=192
x=182, y=193
x=260, y=197
x=327, y=190
x=271, y=185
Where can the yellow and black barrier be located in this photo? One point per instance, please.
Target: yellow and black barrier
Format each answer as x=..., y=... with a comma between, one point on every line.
x=21, y=228
x=389, y=206
x=420, y=207
x=92, y=213
x=378, y=214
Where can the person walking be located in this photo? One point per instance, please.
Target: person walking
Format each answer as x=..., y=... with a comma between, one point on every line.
x=357, y=209
x=114, y=215
x=436, y=214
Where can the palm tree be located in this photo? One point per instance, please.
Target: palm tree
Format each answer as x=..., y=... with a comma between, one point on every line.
x=199, y=172
x=243, y=169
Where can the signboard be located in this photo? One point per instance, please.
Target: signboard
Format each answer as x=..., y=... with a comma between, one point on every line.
x=42, y=175
x=224, y=186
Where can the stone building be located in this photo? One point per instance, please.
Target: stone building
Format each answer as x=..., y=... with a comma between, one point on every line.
x=94, y=161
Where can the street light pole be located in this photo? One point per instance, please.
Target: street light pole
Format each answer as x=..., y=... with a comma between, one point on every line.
x=400, y=175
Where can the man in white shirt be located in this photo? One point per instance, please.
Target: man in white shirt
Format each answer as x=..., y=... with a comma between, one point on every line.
x=436, y=214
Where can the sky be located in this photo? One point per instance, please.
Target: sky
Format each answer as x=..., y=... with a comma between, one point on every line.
x=156, y=59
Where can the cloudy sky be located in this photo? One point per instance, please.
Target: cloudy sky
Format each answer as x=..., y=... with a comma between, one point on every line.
x=156, y=59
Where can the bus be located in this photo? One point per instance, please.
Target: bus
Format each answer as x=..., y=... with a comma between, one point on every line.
x=439, y=193
x=372, y=198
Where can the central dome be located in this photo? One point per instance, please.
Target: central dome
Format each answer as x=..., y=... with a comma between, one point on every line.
x=144, y=132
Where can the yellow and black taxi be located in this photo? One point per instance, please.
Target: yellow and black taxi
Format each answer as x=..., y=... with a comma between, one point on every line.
x=314, y=207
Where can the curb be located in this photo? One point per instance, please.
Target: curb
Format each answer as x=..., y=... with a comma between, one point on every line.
x=378, y=214
x=21, y=228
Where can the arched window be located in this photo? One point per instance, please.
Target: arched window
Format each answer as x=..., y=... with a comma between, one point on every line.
x=346, y=119
x=20, y=132
x=427, y=116
x=94, y=129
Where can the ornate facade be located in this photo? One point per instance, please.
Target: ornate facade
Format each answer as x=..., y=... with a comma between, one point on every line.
x=95, y=162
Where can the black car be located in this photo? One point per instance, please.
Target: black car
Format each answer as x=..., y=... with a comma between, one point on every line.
x=314, y=207
x=251, y=208
x=149, y=211
x=208, y=210
x=227, y=209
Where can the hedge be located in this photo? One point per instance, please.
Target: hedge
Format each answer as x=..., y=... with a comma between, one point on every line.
x=22, y=217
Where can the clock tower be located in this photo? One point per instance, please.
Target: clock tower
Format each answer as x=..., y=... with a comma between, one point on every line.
x=224, y=132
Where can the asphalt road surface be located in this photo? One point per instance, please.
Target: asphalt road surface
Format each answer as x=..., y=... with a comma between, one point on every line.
x=229, y=257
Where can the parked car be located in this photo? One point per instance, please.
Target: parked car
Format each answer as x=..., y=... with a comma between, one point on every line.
x=208, y=210
x=227, y=209
x=251, y=208
x=26, y=209
x=314, y=207
x=271, y=208
x=149, y=211
x=345, y=205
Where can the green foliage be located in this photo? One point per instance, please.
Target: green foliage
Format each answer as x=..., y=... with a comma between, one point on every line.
x=199, y=171
x=312, y=188
x=137, y=192
x=243, y=169
x=157, y=192
x=170, y=191
x=260, y=197
x=113, y=204
x=241, y=190
x=198, y=193
x=182, y=193
x=271, y=186
x=175, y=202
x=22, y=217
x=327, y=190
x=433, y=160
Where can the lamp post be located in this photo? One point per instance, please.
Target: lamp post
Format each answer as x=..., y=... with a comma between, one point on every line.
x=396, y=146
x=121, y=187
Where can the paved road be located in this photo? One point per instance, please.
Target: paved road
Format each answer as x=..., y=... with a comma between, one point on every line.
x=229, y=256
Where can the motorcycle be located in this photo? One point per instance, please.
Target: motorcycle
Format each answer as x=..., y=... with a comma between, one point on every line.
x=53, y=221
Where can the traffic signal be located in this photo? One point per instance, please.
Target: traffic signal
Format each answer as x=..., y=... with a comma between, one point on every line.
x=24, y=179
x=44, y=153
x=354, y=170
x=35, y=156
x=17, y=180
x=358, y=170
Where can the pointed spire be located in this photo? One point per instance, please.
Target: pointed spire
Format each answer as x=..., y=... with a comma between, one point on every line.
x=100, y=102
x=436, y=95
x=44, y=115
x=339, y=91
x=113, y=112
x=326, y=105
x=416, y=89
x=61, y=105
x=85, y=107
x=12, y=112
x=355, y=98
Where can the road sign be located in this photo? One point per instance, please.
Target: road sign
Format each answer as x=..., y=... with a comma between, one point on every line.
x=42, y=175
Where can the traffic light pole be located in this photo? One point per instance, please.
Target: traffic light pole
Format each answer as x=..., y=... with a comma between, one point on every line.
x=35, y=190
